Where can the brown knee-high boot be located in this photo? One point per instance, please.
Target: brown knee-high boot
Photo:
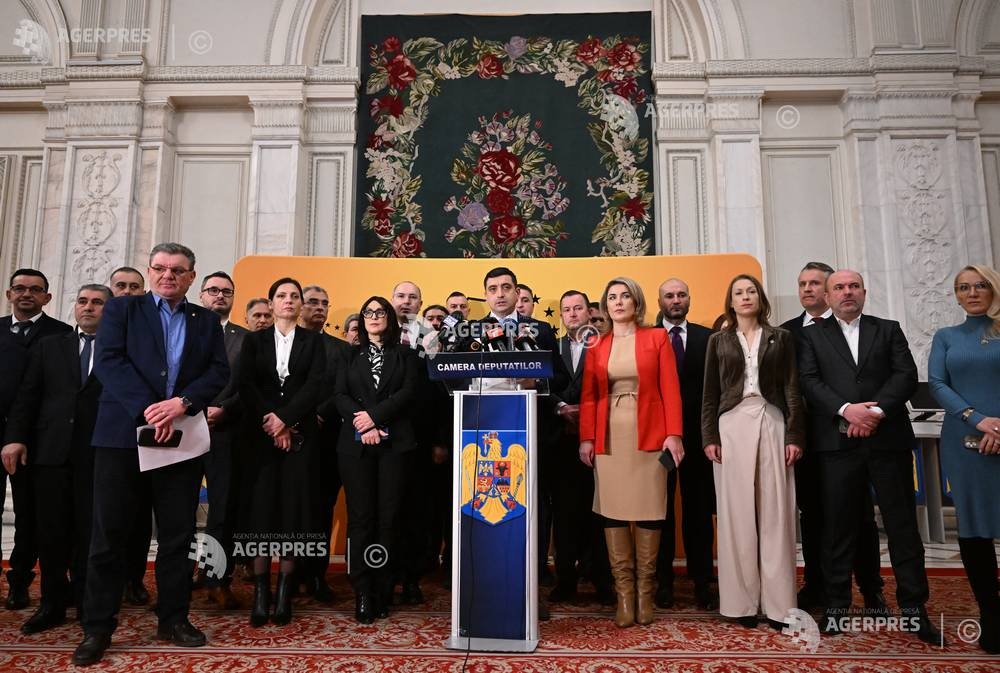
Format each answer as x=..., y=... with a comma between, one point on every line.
x=647, y=545
x=622, y=559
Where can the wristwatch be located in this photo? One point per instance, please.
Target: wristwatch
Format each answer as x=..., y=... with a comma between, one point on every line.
x=966, y=413
x=186, y=402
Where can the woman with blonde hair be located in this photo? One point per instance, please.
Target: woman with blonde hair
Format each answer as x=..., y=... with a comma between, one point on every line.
x=963, y=372
x=630, y=412
x=753, y=427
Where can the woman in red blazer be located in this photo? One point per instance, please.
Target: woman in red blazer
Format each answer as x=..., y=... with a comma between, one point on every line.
x=630, y=411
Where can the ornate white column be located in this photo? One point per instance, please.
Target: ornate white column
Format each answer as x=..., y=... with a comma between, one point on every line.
x=330, y=128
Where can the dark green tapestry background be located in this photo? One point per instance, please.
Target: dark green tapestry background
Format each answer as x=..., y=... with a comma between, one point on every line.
x=522, y=188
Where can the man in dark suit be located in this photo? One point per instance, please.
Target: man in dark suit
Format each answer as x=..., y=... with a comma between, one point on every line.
x=221, y=476
x=500, y=285
x=158, y=358
x=690, y=342
x=20, y=332
x=857, y=374
x=127, y=281
x=49, y=428
x=315, y=311
x=808, y=494
x=577, y=535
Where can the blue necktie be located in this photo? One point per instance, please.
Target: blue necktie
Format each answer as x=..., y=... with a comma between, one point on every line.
x=678, y=344
x=88, y=348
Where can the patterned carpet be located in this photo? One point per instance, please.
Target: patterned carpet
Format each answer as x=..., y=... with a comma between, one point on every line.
x=580, y=637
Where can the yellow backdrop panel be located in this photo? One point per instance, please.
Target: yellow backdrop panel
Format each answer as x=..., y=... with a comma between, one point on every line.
x=351, y=280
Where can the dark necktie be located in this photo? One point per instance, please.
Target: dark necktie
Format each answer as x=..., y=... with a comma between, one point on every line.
x=88, y=348
x=678, y=343
x=818, y=320
x=22, y=328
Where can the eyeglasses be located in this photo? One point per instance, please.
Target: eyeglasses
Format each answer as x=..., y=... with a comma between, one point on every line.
x=966, y=288
x=26, y=289
x=377, y=313
x=216, y=291
x=175, y=270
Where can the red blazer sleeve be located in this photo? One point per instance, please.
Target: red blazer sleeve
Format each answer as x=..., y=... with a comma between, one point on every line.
x=670, y=388
x=589, y=397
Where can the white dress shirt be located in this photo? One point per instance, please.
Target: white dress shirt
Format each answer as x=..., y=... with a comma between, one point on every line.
x=851, y=330
x=808, y=319
x=282, y=352
x=751, y=375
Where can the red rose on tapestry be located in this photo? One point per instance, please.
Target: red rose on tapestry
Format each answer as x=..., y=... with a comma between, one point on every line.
x=381, y=209
x=489, y=67
x=406, y=245
x=382, y=228
x=500, y=169
x=633, y=208
x=401, y=71
x=589, y=50
x=624, y=57
x=500, y=201
x=507, y=228
x=391, y=44
x=391, y=104
x=374, y=142
x=628, y=88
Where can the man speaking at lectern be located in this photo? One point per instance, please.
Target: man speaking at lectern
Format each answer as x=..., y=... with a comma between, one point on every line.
x=500, y=285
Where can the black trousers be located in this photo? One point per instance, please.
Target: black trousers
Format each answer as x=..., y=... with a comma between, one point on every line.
x=140, y=534
x=374, y=484
x=117, y=486
x=25, y=551
x=809, y=497
x=328, y=488
x=845, y=477
x=575, y=526
x=440, y=515
x=697, y=506
x=64, y=502
x=223, y=499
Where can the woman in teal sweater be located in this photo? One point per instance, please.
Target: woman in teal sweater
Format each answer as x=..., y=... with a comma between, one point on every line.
x=964, y=375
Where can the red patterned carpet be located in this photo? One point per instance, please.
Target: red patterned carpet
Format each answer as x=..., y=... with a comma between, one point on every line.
x=578, y=638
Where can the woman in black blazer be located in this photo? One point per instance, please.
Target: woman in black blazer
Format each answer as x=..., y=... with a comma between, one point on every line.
x=374, y=395
x=280, y=375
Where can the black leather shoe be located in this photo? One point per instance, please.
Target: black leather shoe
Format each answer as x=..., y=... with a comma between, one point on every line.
x=382, y=601
x=320, y=590
x=810, y=598
x=875, y=605
x=563, y=593
x=135, y=593
x=411, y=594
x=705, y=598
x=45, y=618
x=91, y=650
x=17, y=597
x=283, y=600
x=989, y=637
x=926, y=630
x=664, y=597
x=364, y=608
x=775, y=624
x=182, y=634
x=748, y=622
x=260, y=612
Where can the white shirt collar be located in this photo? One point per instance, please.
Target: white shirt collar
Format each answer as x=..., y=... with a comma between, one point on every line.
x=667, y=325
x=849, y=325
x=808, y=319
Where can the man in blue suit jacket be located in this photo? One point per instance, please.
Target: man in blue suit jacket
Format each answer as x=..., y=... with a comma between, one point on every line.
x=158, y=357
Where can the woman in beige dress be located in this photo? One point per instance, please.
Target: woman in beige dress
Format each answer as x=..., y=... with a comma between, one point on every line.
x=753, y=428
x=630, y=411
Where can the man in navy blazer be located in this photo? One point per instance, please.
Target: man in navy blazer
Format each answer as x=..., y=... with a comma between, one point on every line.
x=157, y=357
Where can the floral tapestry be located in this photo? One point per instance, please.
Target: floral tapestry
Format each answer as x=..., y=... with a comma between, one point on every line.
x=520, y=136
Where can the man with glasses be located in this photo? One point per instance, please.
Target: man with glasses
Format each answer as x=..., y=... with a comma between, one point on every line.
x=20, y=332
x=217, y=290
x=158, y=358
x=314, y=316
x=126, y=281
